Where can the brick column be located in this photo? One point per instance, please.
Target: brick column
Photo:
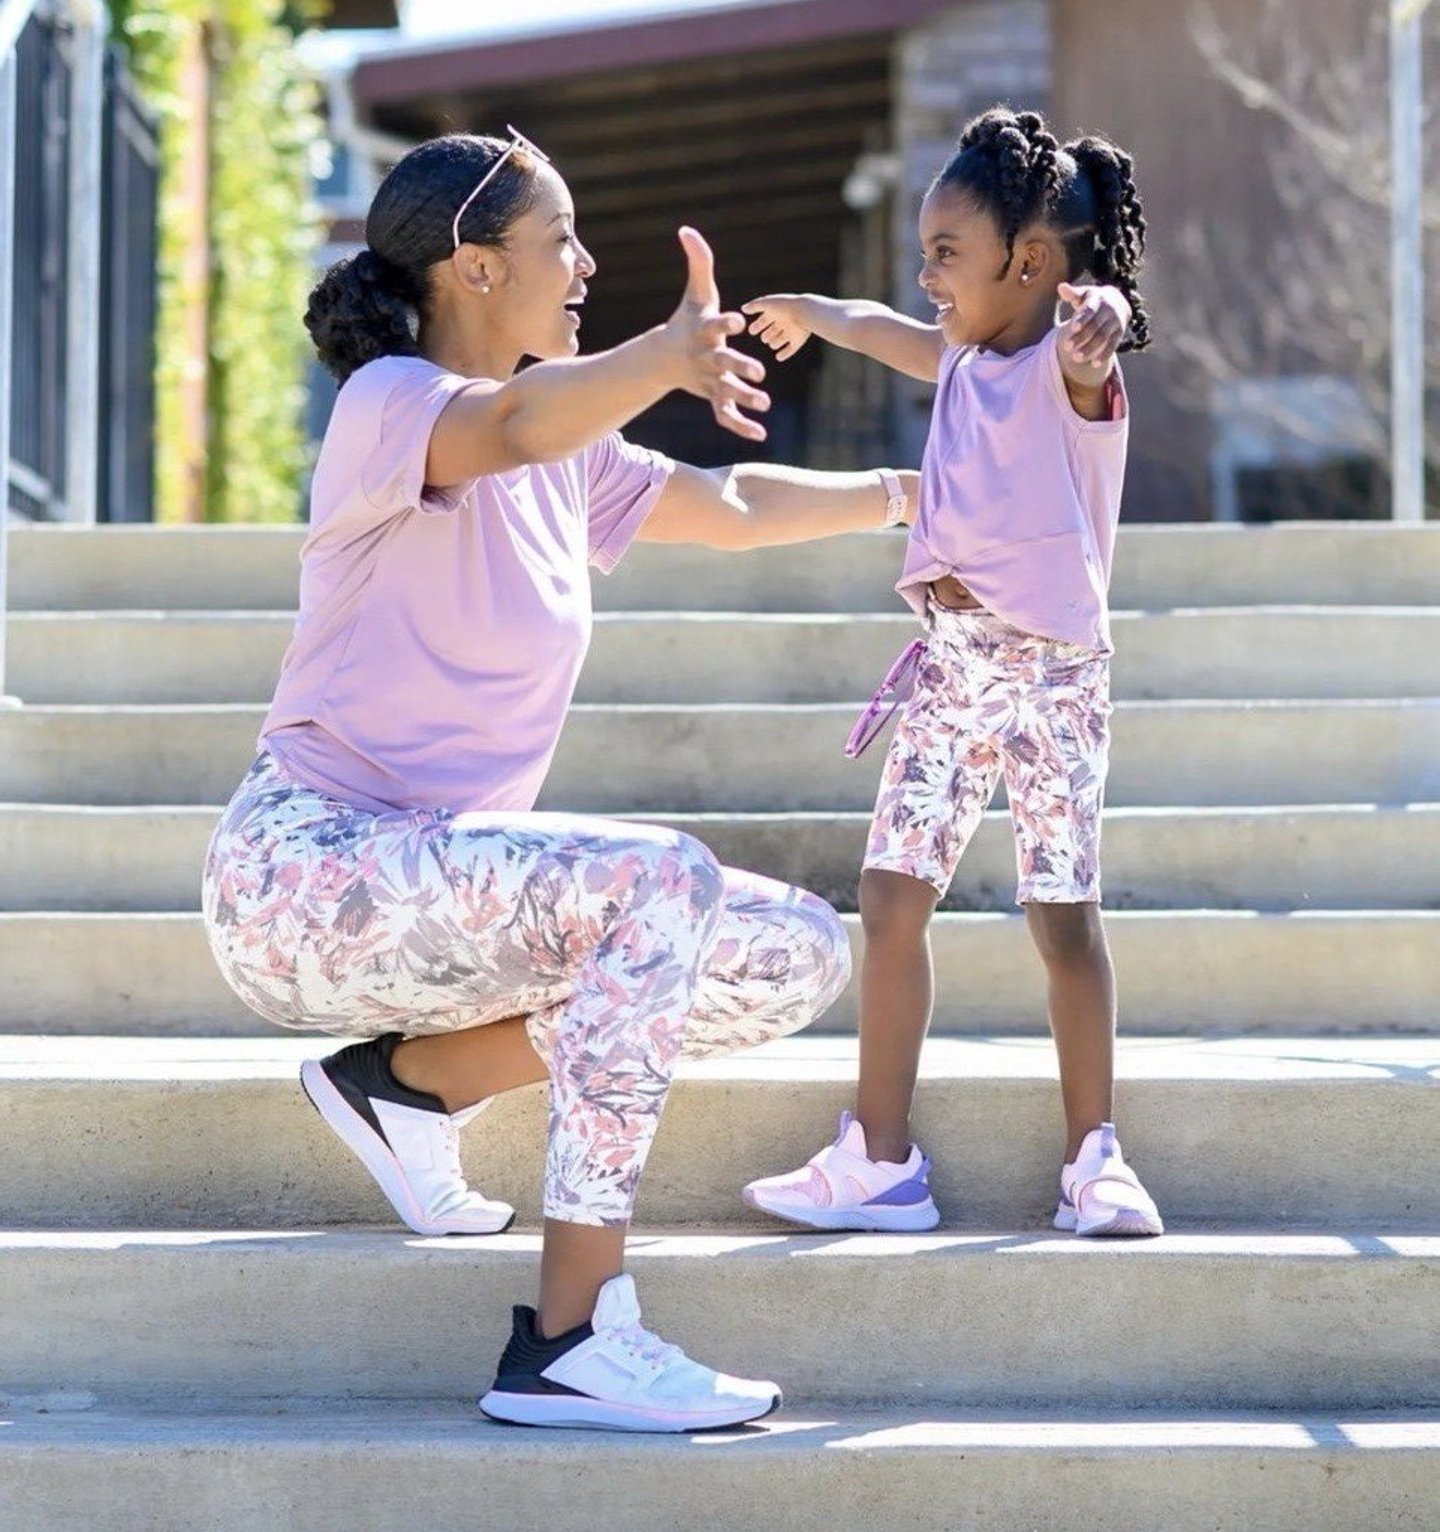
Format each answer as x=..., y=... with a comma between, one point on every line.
x=945, y=71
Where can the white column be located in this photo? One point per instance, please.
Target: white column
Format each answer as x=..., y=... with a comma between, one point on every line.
x=1407, y=296
x=7, y=288
x=82, y=371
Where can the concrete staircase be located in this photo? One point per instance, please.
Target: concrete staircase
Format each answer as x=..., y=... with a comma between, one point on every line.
x=201, y=1332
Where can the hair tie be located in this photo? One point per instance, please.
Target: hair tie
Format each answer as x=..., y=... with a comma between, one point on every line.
x=389, y=277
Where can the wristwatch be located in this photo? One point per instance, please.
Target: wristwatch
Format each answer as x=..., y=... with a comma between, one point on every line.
x=897, y=502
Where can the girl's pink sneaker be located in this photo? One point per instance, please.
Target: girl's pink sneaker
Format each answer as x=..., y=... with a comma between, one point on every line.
x=1100, y=1194
x=843, y=1188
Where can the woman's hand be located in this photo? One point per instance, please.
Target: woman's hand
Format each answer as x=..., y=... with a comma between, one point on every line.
x=1092, y=334
x=783, y=321
x=703, y=364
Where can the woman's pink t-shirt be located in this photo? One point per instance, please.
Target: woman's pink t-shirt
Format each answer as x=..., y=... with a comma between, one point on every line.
x=441, y=632
x=1019, y=494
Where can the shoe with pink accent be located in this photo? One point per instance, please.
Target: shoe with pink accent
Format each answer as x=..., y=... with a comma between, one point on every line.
x=1100, y=1195
x=843, y=1188
x=403, y=1137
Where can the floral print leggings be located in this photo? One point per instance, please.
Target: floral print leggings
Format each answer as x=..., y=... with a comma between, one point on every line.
x=991, y=699
x=624, y=946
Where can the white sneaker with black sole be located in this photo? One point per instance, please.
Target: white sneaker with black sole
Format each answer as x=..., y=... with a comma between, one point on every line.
x=404, y=1138
x=614, y=1375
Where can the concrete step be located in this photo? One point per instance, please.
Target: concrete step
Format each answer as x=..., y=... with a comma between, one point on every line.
x=673, y=657
x=399, y=1466
x=211, y=1132
x=662, y=760
x=1190, y=971
x=195, y=568
x=1346, y=1320
x=138, y=860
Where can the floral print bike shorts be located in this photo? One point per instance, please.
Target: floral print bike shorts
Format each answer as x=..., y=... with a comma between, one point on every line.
x=991, y=700
x=624, y=947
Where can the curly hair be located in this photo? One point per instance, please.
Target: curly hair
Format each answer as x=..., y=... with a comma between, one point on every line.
x=371, y=304
x=1013, y=168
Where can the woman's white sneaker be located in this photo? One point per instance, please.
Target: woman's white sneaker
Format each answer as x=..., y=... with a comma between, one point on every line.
x=1101, y=1196
x=843, y=1188
x=404, y=1138
x=614, y=1375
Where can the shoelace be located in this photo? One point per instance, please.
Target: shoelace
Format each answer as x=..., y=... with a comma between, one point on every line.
x=646, y=1345
x=453, y=1188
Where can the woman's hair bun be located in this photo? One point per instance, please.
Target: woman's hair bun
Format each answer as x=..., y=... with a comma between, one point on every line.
x=362, y=308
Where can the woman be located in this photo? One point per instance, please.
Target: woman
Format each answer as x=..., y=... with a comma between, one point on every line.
x=381, y=872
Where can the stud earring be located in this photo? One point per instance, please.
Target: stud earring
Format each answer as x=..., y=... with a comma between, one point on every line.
x=484, y=287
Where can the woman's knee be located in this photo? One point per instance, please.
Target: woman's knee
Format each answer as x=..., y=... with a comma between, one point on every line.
x=689, y=867
x=653, y=865
x=783, y=972
x=829, y=944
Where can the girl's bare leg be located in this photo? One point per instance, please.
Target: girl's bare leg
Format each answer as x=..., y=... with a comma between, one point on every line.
x=897, y=986
x=1071, y=942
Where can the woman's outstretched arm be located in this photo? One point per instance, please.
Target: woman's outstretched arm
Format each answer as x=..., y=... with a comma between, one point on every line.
x=555, y=409
x=759, y=505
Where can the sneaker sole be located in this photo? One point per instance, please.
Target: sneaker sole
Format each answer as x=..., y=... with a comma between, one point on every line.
x=359, y=1137
x=576, y=1412
x=1128, y=1223
x=914, y=1219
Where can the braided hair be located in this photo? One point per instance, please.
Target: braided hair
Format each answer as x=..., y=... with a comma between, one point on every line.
x=1012, y=167
x=370, y=304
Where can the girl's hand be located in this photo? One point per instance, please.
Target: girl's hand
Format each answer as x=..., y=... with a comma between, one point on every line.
x=781, y=321
x=1090, y=337
x=702, y=363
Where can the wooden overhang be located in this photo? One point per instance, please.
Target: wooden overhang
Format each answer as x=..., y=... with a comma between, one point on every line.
x=744, y=122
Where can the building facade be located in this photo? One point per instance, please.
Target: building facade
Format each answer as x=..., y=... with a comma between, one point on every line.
x=800, y=135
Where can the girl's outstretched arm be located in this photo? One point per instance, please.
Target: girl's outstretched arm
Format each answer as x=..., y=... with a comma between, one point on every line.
x=1088, y=342
x=785, y=321
x=759, y=505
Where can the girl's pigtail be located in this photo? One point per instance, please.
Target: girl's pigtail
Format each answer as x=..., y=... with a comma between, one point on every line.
x=1119, y=227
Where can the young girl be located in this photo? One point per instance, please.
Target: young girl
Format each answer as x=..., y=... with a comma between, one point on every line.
x=1008, y=563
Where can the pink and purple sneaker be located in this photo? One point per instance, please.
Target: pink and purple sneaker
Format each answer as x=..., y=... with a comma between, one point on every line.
x=843, y=1188
x=1101, y=1196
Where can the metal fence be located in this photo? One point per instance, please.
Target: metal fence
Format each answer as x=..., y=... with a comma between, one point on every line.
x=44, y=78
x=130, y=189
x=83, y=285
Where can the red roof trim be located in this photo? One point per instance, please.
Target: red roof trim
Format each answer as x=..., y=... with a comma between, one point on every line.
x=450, y=68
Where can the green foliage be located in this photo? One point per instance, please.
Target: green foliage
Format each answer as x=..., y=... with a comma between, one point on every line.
x=263, y=127
x=157, y=35
x=260, y=122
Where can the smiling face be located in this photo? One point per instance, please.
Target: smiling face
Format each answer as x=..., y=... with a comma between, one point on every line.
x=979, y=302
x=537, y=281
